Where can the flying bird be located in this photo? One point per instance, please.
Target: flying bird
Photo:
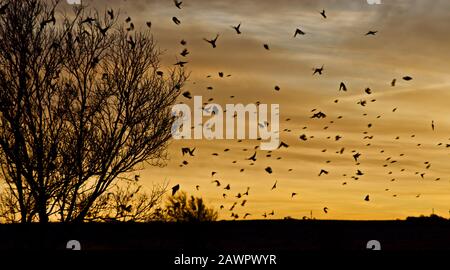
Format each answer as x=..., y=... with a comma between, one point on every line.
x=325, y=209
x=176, y=20
x=393, y=82
x=187, y=150
x=253, y=158
x=342, y=87
x=175, y=189
x=322, y=171
x=298, y=32
x=266, y=46
x=111, y=14
x=177, y=4
x=407, y=78
x=367, y=198
x=274, y=185
x=184, y=53
x=149, y=24
x=318, y=71
x=216, y=182
x=187, y=95
x=269, y=170
x=212, y=41
x=371, y=33
x=323, y=14
x=237, y=28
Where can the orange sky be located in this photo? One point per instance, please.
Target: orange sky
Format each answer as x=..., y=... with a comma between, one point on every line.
x=412, y=40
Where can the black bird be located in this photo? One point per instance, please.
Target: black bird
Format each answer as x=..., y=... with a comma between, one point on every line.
x=212, y=41
x=356, y=156
x=318, y=71
x=393, y=82
x=283, y=144
x=323, y=14
x=303, y=137
x=323, y=172
x=432, y=125
x=407, y=78
x=266, y=46
x=51, y=20
x=237, y=28
x=175, y=189
x=253, y=158
x=342, y=87
x=187, y=95
x=111, y=14
x=228, y=187
x=367, y=198
x=268, y=170
x=177, y=4
x=127, y=20
x=298, y=32
x=293, y=194
x=180, y=63
x=176, y=20
x=216, y=182
x=187, y=150
x=371, y=33
x=103, y=30
x=325, y=209
x=88, y=20
x=149, y=24
x=368, y=91
x=360, y=173
x=277, y=88
x=274, y=185
x=183, y=42
x=184, y=53
x=319, y=115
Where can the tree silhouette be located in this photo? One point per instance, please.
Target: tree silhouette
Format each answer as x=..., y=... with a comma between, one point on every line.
x=181, y=209
x=82, y=101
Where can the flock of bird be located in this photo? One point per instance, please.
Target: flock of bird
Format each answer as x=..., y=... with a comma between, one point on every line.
x=241, y=197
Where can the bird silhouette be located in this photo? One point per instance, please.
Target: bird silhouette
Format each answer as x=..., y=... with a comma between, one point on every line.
x=318, y=71
x=325, y=209
x=323, y=14
x=432, y=125
x=187, y=95
x=149, y=24
x=184, y=53
x=407, y=78
x=187, y=150
x=175, y=189
x=367, y=198
x=298, y=32
x=342, y=87
x=394, y=81
x=266, y=46
x=253, y=157
x=237, y=28
x=293, y=194
x=212, y=41
x=274, y=185
x=176, y=20
x=322, y=171
x=111, y=14
x=371, y=33
x=216, y=182
x=269, y=170
x=228, y=187
x=177, y=4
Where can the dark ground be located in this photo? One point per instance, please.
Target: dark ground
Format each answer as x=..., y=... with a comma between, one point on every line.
x=229, y=236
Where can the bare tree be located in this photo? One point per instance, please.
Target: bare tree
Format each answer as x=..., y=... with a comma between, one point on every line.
x=180, y=208
x=83, y=101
